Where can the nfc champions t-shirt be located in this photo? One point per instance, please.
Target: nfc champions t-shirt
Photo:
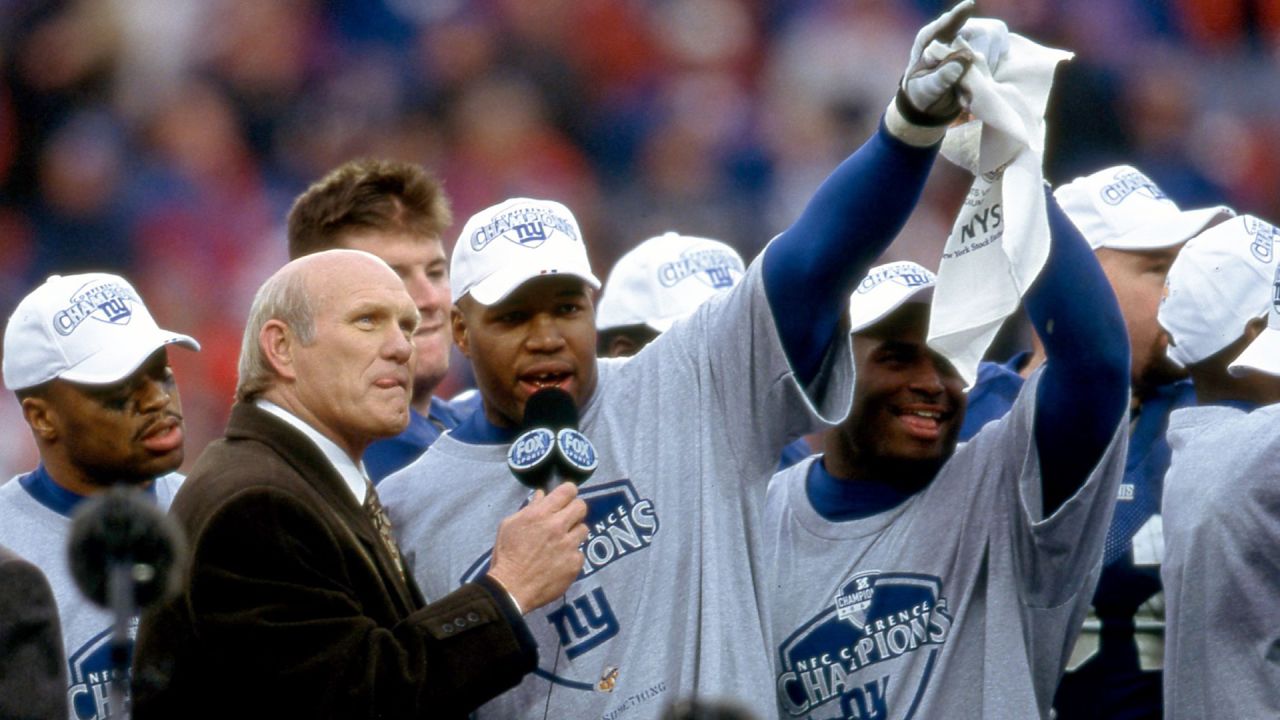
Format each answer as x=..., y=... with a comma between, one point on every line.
x=688, y=433
x=961, y=601
x=35, y=522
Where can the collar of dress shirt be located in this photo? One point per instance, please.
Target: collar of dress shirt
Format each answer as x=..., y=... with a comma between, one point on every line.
x=352, y=472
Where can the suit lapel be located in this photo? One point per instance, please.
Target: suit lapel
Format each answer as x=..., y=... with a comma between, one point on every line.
x=253, y=423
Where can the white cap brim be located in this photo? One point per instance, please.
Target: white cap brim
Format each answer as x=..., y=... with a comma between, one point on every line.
x=661, y=325
x=1170, y=231
x=117, y=361
x=501, y=283
x=1263, y=354
x=610, y=318
x=889, y=298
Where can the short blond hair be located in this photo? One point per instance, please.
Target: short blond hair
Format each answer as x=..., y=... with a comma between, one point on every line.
x=367, y=194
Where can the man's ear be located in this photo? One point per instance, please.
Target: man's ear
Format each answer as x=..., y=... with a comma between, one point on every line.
x=621, y=345
x=278, y=345
x=460, y=337
x=41, y=416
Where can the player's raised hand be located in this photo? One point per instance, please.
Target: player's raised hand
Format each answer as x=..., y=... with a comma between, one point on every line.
x=987, y=37
x=536, y=556
x=928, y=94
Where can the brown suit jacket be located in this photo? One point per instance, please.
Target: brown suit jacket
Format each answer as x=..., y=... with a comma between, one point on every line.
x=291, y=607
x=33, y=673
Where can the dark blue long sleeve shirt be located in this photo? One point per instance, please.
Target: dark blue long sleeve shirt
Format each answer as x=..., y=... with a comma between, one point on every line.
x=1084, y=392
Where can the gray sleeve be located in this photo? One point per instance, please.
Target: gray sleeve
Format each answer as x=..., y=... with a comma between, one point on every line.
x=1054, y=557
x=731, y=346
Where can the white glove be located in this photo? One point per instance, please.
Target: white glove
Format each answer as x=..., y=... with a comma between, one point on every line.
x=987, y=37
x=928, y=93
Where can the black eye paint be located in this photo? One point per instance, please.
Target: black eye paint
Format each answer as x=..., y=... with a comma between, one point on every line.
x=115, y=398
x=121, y=397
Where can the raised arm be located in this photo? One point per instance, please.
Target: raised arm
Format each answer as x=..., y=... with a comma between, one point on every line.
x=1085, y=388
x=809, y=270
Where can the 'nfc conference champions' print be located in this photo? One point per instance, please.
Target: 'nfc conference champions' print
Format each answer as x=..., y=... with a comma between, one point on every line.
x=870, y=654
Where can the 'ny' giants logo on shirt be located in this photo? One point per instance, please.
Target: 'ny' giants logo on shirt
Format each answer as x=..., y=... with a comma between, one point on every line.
x=584, y=623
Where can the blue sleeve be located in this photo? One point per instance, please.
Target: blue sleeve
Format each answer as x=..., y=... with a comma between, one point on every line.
x=1084, y=391
x=810, y=269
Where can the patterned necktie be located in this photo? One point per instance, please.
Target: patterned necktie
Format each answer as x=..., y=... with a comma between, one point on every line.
x=382, y=523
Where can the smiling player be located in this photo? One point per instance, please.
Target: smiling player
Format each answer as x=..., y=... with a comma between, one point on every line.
x=906, y=576
x=91, y=369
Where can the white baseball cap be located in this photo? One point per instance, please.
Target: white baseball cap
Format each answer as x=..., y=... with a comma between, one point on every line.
x=1220, y=281
x=1264, y=352
x=1122, y=209
x=664, y=279
x=91, y=328
x=508, y=244
x=884, y=289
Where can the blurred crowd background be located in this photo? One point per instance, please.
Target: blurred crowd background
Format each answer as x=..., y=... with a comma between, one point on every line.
x=166, y=139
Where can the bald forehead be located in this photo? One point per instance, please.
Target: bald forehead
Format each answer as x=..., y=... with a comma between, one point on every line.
x=336, y=271
x=337, y=261
x=332, y=278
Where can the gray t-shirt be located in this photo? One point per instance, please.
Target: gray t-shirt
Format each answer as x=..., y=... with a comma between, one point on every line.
x=1221, y=567
x=962, y=601
x=688, y=433
x=37, y=529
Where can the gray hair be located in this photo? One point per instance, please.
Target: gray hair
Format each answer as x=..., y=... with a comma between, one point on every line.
x=282, y=297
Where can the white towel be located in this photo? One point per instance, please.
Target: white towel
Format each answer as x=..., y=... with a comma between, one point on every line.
x=1000, y=240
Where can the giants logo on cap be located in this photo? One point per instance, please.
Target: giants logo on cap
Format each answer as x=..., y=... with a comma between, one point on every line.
x=907, y=274
x=717, y=265
x=527, y=227
x=1129, y=183
x=110, y=303
x=1264, y=236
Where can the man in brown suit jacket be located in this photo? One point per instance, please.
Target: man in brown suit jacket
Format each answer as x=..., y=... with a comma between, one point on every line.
x=296, y=602
x=33, y=673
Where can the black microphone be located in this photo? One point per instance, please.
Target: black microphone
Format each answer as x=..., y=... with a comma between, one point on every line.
x=539, y=458
x=121, y=528
x=125, y=555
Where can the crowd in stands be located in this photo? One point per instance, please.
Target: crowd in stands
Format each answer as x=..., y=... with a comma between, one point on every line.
x=165, y=139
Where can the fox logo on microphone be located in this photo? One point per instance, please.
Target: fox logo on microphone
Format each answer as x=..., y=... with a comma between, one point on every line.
x=530, y=449
x=577, y=451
